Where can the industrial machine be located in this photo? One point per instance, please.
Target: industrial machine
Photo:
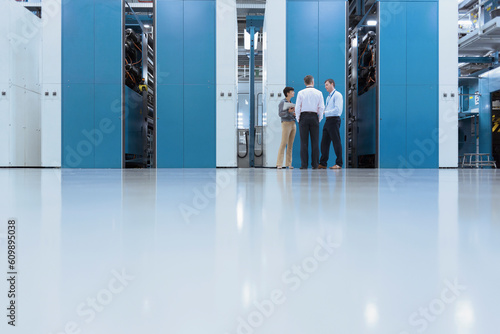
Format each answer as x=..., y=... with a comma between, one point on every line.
x=250, y=146
x=495, y=126
x=362, y=94
x=139, y=89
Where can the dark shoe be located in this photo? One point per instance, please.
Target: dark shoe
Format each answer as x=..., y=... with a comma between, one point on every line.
x=303, y=167
x=321, y=167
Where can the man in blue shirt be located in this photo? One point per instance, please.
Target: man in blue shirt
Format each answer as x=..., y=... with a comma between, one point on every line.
x=331, y=129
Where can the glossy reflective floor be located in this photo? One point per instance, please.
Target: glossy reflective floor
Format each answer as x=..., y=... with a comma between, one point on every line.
x=253, y=251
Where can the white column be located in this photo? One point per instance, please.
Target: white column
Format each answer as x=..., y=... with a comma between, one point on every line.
x=20, y=106
x=227, y=73
x=51, y=84
x=274, y=76
x=4, y=86
x=448, y=83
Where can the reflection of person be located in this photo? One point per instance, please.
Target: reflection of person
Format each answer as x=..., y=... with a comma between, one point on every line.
x=331, y=129
x=288, y=129
x=309, y=109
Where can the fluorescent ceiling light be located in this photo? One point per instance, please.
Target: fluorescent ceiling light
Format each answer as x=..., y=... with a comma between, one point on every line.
x=371, y=22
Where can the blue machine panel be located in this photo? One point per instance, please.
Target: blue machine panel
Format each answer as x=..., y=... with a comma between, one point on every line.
x=422, y=86
x=186, y=79
x=488, y=85
x=302, y=42
x=170, y=42
x=199, y=126
x=393, y=44
x=367, y=108
x=316, y=48
x=302, y=52
x=199, y=42
x=422, y=47
x=466, y=139
x=78, y=41
x=91, y=102
x=393, y=67
x=108, y=41
x=78, y=149
x=107, y=126
x=170, y=126
x=392, y=133
x=408, y=84
x=423, y=126
x=332, y=45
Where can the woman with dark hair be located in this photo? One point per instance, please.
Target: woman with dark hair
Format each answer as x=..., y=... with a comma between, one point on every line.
x=288, y=128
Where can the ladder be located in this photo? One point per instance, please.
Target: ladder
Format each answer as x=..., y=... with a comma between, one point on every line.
x=476, y=160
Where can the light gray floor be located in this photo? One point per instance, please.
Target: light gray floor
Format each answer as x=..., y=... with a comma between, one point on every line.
x=253, y=251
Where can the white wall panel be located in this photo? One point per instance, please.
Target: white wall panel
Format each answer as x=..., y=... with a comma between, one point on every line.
x=227, y=63
x=4, y=124
x=50, y=126
x=51, y=82
x=20, y=108
x=25, y=47
x=32, y=140
x=274, y=76
x=4, y=86
x=17, y=127
x=4, y=41
x=51, y=42
x=448, y=83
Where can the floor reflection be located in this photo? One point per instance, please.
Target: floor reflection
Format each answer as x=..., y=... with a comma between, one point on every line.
x=350, y=251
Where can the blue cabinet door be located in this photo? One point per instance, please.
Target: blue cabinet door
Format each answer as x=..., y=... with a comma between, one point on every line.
x=199, y=126
x=78, y=145
x=170, y=126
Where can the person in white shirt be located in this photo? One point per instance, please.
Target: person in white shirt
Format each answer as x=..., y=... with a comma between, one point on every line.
x=309, y=109
x=331, y=129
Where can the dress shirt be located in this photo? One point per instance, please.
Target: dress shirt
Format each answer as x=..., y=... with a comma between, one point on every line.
x=334, y=104
x=309, y=100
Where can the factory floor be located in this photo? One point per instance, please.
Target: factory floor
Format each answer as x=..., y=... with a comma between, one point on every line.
x=264, y=251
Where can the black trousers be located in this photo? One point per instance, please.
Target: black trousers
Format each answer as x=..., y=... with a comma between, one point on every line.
x=331, y=133
x=309, y=127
